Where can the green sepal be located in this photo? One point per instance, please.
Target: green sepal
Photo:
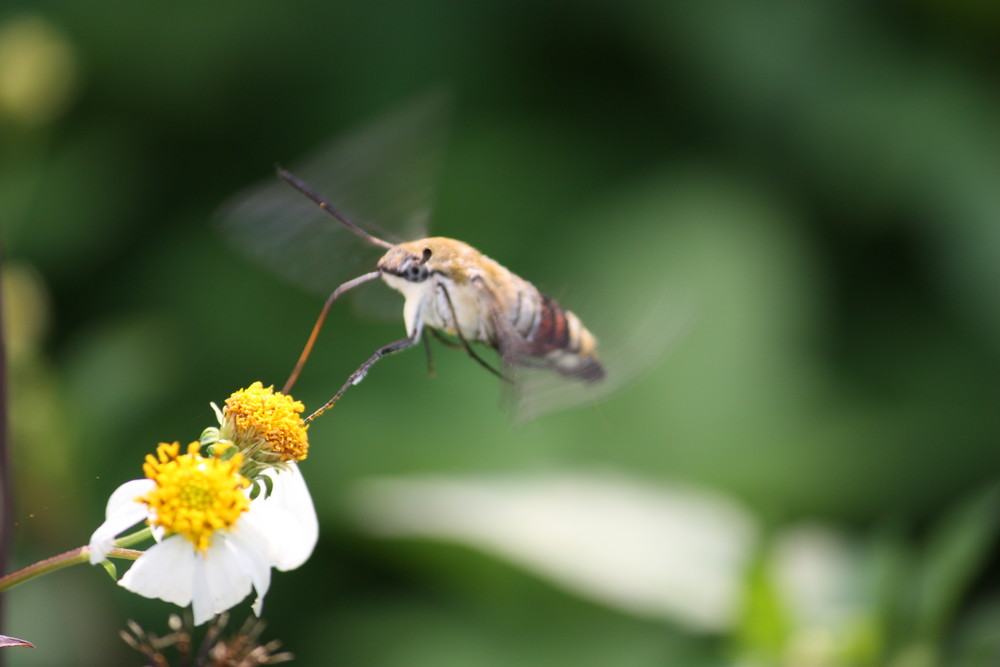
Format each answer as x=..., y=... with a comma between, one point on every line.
x=255, y=489
x=110, y=568
x=209, y=436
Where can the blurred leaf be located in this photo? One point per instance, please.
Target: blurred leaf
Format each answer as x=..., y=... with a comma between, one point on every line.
x=765, y=625
x=653, y=551
x=38, y=70
x=891, y=568
x=395, y=630
x=978, y=637
x=957, y=552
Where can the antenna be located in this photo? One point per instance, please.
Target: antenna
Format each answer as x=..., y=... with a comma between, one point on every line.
x=293, y=180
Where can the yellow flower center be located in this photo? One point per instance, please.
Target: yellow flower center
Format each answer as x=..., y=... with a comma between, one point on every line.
x=261, y=413
x=194, y=496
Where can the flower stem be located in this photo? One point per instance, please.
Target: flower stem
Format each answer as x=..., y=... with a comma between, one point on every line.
x=136, y=537
x=6, y=492
x=78, y=555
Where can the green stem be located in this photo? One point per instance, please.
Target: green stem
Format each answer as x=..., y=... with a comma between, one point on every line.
x=136, y=537
x=78, y=555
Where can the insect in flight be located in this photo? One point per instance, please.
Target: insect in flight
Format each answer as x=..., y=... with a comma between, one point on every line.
x=449, y=287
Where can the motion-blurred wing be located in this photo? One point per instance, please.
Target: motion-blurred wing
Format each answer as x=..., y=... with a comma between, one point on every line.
x=381, y=176
x=630, y=344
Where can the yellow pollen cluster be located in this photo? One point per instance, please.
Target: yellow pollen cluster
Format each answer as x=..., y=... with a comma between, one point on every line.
x=261, y=412
x=194, y=496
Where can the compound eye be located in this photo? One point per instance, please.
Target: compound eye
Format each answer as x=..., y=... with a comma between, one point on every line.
x=416, y=273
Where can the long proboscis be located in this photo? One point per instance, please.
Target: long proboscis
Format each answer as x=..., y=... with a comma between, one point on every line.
x=294, y=181
x=350, y=284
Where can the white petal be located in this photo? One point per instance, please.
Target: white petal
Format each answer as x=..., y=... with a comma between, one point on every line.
x=221, y=581
x=213, y=582
x=121, y=513
x=166, y=571
x=287, y=517
x=201, y=603
x=228, y=580
x=235, y=562
x=248, y=546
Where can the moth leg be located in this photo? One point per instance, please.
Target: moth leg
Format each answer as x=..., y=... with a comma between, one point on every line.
x=359, y=375
x=447, y=341
x=430, y=358
x=465, y=344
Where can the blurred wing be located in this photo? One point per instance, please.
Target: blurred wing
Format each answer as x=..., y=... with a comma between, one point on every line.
x=381, y=176
x=631, y=342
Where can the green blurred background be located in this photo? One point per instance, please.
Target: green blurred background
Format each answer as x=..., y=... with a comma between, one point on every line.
x=819, y=183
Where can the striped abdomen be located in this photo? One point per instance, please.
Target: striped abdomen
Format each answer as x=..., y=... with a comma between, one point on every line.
x=559, y=340
x=549, y=335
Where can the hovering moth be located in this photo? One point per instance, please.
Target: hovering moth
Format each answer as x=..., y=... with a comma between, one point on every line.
x=379, y=179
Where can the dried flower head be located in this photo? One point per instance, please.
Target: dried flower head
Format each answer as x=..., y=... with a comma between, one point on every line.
x=241, y=649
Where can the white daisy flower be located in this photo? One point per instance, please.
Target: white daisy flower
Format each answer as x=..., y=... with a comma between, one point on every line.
x=221, y=522
x=214, y=544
